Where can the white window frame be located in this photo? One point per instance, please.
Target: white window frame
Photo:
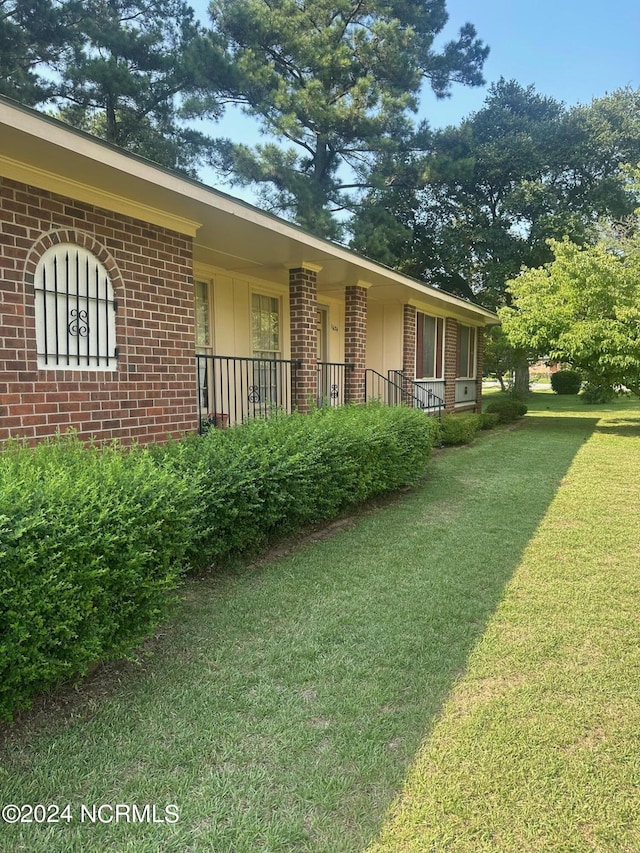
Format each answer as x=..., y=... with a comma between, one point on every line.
x=471, y=347
x=266, y=382
x=266, y=353
x=75, y=311
x=436, y=319
x=204, y=348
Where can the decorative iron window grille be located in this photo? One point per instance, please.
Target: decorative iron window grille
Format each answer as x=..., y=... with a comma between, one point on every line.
x=75, y=311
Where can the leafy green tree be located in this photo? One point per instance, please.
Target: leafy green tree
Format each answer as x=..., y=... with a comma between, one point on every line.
x=500, y=356
x=521, y=170
x=388, y=222
x=33, y=35
x=463, y=215
x=582, y=308
x=336, y=81
x=134, y=73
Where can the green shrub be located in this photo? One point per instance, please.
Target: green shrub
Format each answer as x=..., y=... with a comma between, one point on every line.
x=597, y=392
x=489, y=420
x=458, y=429
x=566, y=382
x=507, y=410
x=91, y=541
x=272, y=477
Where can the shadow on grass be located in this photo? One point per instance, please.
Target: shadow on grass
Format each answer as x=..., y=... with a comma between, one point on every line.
x=625, y=427
x=282, y=707
x=477, y=514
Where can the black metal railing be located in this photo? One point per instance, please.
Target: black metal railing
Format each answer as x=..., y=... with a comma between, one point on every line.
x=331, y=383
x=234, y=390
x=387, y=390
x=425, y=396
x=396, y=389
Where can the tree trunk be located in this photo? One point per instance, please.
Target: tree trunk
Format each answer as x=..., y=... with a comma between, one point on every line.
x=112, y=122
x=521, y=380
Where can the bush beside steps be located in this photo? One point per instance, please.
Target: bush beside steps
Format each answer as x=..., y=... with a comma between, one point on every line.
x=461, y=428
x=507, y=410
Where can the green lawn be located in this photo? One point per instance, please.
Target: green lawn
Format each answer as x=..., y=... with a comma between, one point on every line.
x=455, y=670
x=538, y=745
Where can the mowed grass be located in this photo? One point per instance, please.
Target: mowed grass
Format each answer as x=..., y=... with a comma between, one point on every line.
x=538, y=746
x=284, y=706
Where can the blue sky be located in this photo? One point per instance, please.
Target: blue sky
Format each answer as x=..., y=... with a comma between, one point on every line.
x=571, y=50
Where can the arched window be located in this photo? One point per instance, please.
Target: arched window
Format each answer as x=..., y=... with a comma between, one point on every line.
x=75, y=311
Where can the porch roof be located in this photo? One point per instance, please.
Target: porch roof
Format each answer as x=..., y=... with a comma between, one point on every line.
x=227, y=232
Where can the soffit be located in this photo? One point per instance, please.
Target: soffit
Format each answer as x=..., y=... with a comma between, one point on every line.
x=227, y=232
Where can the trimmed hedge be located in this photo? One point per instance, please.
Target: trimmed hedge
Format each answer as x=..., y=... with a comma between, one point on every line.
x=269, y=478
x=458, y=429
x=489, y=420
x=92, y=540
x=507, y=410
x=566, y=382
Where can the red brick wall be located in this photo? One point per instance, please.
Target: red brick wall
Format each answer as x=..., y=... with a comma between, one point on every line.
x=153, y=391
x=450, y=363
x=355, y=341
x=479, y=367
x=409, y=349
x=409, y=342
x=303, y=304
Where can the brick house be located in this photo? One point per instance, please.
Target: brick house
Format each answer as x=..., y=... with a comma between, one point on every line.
x=135, y=303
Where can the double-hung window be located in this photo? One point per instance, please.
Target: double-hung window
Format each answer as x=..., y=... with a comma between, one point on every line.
x=466, y=352
x=265, y=344
x=429, y=347
x=204, y=342
x=265, y=326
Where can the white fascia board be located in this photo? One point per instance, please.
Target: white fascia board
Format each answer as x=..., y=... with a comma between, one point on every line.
x=198, y=195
